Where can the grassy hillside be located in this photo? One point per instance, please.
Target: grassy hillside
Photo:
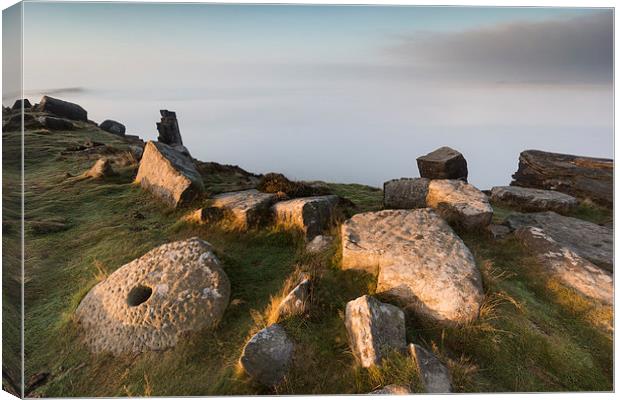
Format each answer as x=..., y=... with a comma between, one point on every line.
x=533, y=334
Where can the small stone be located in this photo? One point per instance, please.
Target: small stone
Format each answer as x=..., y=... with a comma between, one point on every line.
x=497, y=232
x=113, y=127
x=434, y=375
x=374, y=328
x=319, y=244
x=206, y=215
x=267, y=355
x=443, y=163
x=405, y=193
x=297, y=301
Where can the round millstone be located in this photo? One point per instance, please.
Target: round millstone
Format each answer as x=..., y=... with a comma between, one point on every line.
x=148, y=303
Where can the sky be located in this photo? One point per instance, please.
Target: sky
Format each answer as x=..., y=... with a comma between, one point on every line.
x=336, y=93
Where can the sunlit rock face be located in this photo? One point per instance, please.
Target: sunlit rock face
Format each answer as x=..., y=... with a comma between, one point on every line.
x=373, y=329
x=593, y=242
x=567, y=266
x=419, y=261
x=459, y=203
x=168, y=175
x=149, y=303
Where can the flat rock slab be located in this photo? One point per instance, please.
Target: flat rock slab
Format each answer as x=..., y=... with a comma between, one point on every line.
x=168, y=175
x=568, y=267
x=245, y=209
x=393, y=389
x=312, y=215
x=419, y=260
x=149, y=303
x=434, y=375
x=373, y=328
x=267, y=355
x=582, y=177
x=459, y=203
x=405, y=193
x=528, y=199
x=593, y=242
x=443, y=163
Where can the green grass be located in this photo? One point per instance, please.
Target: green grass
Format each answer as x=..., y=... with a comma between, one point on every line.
x=533, y=334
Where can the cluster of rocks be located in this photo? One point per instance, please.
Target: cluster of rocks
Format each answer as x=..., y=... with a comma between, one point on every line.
x=421, y=264
x=443, y=186
x=375, y=329
x=55, y=115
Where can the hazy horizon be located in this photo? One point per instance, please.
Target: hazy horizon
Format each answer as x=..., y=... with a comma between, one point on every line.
x=335, y=93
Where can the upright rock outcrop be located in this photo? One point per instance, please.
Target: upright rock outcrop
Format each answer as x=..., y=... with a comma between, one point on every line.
x=63, y=108
x=582, y=177
x=405, y=193
x=419, y=259
x=267, y=355
x=443, y=163
x=528, y=199
x=169, y=175
x=459, y=203
x=568, y=267
x=311, y=215
x=168, y=129
x=590, y=241
x=374, y=328
x=149, y=303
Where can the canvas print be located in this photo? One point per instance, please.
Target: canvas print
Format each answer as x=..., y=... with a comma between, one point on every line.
x=279, y=199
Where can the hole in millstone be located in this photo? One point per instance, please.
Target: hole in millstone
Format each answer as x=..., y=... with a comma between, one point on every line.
x=138, y=295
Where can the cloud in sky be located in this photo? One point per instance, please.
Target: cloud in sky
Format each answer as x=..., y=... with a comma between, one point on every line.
x=576, y=50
